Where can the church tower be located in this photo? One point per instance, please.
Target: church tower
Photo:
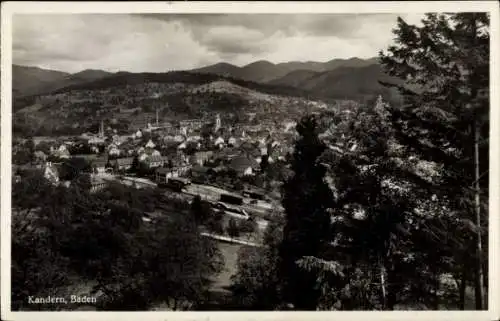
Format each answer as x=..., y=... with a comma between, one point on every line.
x=218, y=123
x=101, y=129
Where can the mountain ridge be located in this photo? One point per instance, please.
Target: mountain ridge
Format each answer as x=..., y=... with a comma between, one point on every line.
x=265, y=71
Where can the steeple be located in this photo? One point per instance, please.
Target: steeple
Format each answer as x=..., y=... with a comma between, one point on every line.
x=101, y=129
x=218, y=123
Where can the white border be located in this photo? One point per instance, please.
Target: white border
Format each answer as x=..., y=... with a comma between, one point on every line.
x=8, y=8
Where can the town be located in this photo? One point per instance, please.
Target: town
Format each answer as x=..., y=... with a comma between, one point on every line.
x=246, y=184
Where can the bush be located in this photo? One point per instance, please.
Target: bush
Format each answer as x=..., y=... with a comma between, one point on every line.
x=232, y=228
x=214, y=222
x=248, y=226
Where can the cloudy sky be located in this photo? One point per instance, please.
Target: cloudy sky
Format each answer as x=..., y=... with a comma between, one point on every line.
x=163, y=42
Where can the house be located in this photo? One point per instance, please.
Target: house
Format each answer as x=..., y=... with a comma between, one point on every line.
x=122, y=164
x=182, y=146
x=178, y=138
x=195, y=138
x=201, y=157
x=96, y=141
x=273, y=156
x=199, y=171
x=178, y=159
x=254, y=153
x=51, y=173
x=232, y=142
x=219, y=142
x=98, y=165
x=273, y=146
x=163, y=174
x=113, y=150
x=118, y=140
x=150, y=144
x=244, y=165
x=62, y=152
x=153, y=161
x=227, y=154
x=97, y=183
x=191, y=123
x=138, y=134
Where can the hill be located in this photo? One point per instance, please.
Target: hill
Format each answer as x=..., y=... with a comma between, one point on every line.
x=224, y=86
x=348, y=82
x=296, y=78
x=358, y=83
x=222, y=69
x=185, y=77
x=87, y=75
x=27, y=81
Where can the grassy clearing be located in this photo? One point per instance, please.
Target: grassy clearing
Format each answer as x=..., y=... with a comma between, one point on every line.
x=230, y=253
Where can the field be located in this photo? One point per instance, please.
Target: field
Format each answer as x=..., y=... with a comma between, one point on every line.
x=230, y=253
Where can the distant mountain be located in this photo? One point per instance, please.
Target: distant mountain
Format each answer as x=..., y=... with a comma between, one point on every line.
x=301, y=65
x=341, y=83
x=221, y=69
x=259, y=71
x=349, y=83
x=28, y=81
x=89, y=75
x=266, y=72
x=296, y=78
x=351, y=62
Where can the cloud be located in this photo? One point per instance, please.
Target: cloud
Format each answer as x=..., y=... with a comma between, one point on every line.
x=160, y=42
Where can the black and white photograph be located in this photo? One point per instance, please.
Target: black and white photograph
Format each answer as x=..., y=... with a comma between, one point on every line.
x=250, y=161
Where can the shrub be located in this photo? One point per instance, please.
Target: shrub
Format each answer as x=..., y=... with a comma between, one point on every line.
x=232, y=228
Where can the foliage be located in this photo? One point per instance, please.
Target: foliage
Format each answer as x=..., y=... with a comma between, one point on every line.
x=72, y=167
x=256, y=284
x=248, y=226
x=214, y=222
x=307, y=230
x=232, y=228
x=445, y=66
x=201, y=210
x=102, y=238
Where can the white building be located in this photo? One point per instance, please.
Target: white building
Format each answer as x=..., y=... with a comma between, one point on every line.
x=51, y=174
x=219, y=142
x=150, y=144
